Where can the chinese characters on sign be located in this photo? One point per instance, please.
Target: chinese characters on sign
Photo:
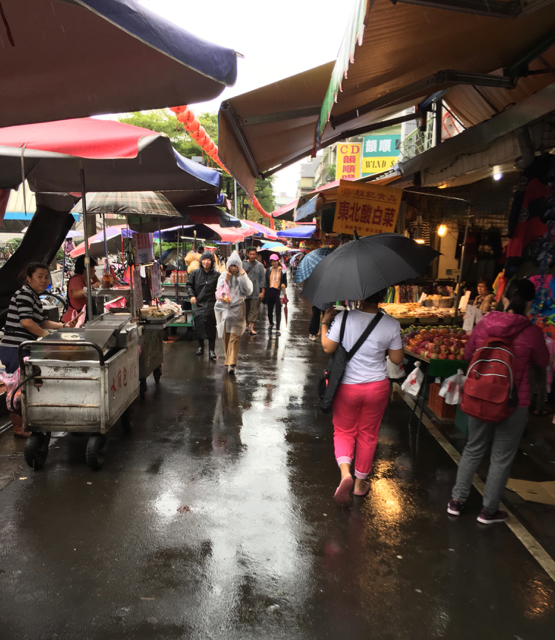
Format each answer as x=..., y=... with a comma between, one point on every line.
x=155, y=280
x=144, y=251
x=380, y=152
x=348, y=161
x=366, y=209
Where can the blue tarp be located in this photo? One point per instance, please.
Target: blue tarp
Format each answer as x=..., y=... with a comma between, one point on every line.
x=307, y=210
x=299, y=233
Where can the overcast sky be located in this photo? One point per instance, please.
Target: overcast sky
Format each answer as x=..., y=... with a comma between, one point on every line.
x=278, y=39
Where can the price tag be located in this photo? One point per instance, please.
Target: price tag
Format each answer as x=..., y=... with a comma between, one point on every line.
x=472, y=316
x=464, y=302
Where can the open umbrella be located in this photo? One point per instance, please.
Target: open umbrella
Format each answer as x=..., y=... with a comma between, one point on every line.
x=127, y=203
x=309, y=263
x=365, y=266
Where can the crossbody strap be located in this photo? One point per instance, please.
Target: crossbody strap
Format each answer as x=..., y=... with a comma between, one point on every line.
x=371, y=326
x=343, y=324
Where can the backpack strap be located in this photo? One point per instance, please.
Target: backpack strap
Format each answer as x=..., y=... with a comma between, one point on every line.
x=371, y=326
x=343, y=325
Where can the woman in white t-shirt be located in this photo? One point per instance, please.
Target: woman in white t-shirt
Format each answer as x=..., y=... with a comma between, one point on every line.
x=362, y=396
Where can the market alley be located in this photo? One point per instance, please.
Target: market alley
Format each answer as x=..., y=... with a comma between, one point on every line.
x=214, y=518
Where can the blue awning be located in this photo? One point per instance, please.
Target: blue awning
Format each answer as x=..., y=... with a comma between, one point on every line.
x=299, y=233
x=307, y=210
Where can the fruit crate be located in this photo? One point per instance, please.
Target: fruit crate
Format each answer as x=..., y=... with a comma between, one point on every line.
x=438, y=405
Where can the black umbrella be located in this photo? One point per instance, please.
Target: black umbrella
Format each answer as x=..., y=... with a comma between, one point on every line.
x=365, y=266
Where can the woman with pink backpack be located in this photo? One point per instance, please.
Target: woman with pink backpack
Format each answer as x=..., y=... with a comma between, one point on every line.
x=496, y=396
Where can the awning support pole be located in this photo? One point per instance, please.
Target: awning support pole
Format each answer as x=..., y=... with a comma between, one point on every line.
x=87, y=256
x=439, y=122
x=459, y=284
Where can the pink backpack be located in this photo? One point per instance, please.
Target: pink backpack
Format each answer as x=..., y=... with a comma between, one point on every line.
x=489, y=392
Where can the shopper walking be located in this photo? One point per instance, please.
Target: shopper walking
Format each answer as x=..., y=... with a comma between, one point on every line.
x=233, y=287
x=256, y=274
x=362, y=396
x=276, y=284
x=528, y=346
x=201, y=287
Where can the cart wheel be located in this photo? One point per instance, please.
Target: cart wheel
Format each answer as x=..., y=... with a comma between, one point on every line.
x=36, y=450
x=173, y=331
x=157, y=374
x=96, y=448
x=143, y=388
x=126, y=421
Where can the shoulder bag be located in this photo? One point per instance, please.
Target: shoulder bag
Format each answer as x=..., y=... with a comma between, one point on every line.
x=334, y=372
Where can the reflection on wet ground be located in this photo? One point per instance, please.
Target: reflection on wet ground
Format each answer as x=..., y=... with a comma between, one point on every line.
x=215, y=519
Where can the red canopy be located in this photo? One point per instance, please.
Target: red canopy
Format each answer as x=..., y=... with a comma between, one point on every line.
x=230, y=234
x=82, y=137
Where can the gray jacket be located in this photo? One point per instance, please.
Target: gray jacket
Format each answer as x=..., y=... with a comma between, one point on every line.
x=257, y=276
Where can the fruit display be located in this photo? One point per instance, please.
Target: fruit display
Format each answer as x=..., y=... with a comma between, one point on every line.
x=436, y=343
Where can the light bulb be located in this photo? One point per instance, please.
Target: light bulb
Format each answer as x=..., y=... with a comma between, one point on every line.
x=497, y=175
x=420, y=241
x=442, y=230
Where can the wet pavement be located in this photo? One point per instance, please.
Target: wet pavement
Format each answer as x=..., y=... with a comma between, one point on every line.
x=215, y=519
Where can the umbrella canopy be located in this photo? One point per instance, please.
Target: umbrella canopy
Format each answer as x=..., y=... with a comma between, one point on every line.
x=365, y=266
x=115, y=156
x=272, y=246
x=231, y=235
x=174, y=234
x=309, y=263
x=96, y=242
x=299, y=233
x=142, y=203
x=69, y=59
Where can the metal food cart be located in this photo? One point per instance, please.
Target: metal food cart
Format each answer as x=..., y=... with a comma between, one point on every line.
x=79, y=380
x=152, y=350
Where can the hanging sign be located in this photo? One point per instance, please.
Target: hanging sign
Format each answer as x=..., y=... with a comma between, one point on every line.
x=144, y=250
x=472, y=316
x=366, y=209
x=348, y=161
x=155, y=280
x=380, y=152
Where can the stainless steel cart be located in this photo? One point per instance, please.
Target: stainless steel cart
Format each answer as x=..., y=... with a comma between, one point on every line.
x=79, y=380
x=152, y=350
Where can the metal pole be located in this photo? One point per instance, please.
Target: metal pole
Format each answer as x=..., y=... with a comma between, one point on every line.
x=461, y=264
x=105, y=241
x=87, y=257
x=439, y=123
x=160, y=240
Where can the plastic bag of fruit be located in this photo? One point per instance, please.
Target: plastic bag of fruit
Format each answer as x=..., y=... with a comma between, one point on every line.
x=394, y=371
x=414, y=381
x=451, y=389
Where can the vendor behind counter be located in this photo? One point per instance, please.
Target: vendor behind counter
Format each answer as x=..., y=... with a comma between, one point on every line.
x=26, y=319
x=77, y=288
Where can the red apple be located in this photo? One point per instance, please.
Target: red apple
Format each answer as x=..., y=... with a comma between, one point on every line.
x=442, y=356
x=451, y=357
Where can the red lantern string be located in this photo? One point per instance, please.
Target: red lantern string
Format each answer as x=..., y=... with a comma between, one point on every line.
x=198, y=133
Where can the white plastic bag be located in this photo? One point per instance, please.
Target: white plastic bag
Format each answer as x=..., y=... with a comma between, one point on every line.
x=394, y=371
x=451, y=389
x=414, y=381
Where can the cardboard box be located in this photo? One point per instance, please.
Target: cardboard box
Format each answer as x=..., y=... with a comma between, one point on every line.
x=542, y=492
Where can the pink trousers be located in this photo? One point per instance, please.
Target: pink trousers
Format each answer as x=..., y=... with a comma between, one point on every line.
x=357, y=414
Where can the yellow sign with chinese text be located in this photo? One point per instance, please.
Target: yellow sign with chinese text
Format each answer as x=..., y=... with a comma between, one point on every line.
x=348, y=161
x=366, y=209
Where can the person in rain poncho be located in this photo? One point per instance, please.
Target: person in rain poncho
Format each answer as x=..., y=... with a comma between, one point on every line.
x=233, y=286
x=201, y=286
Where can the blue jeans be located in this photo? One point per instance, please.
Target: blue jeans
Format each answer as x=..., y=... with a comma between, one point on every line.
x=504, y=438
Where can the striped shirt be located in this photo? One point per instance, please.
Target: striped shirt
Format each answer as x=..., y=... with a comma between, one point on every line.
x=24, y=305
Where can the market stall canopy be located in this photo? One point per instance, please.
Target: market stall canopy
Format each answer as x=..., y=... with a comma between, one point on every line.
x=298, y=233
x=408, y=54
x=115, y=156
x=211, y=215
x=231, y=235
x=75, y=58
x=261, y=230
x=488, y=148
x=396, y=55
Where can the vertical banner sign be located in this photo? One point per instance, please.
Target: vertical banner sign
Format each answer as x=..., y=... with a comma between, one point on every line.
x=366, y=209
x=155, y=280
x=380, y=152
x=144, y=250
x=348, y=161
